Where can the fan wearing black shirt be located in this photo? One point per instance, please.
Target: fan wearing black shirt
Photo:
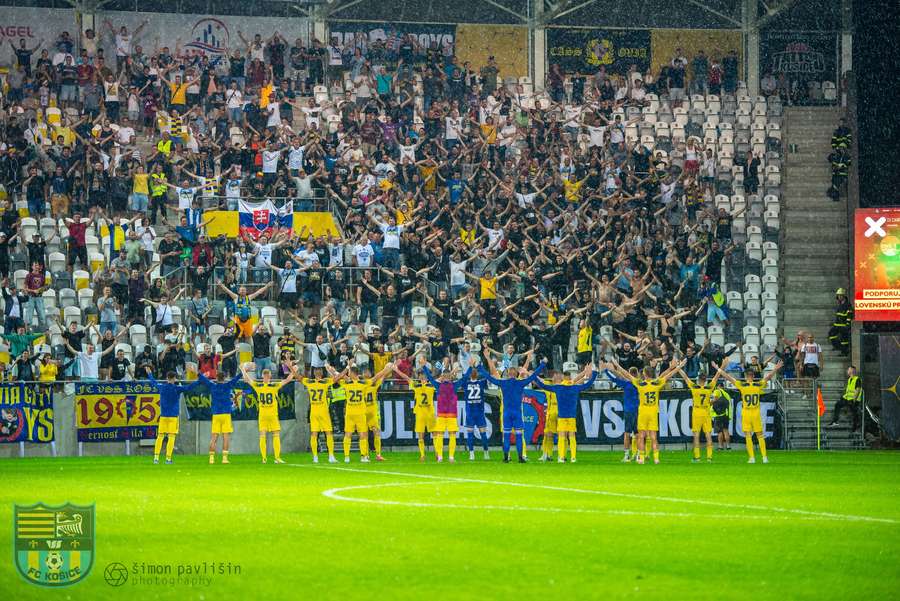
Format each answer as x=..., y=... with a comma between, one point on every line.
x=120, y=366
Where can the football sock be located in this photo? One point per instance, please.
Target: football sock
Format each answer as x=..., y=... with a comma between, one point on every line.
x=364, y=445
x=377, y=436
x=452, y=443
x=422, y=447
x=470, y=440
x=633, y=445
x=709, y=451
x=762, y=444
x=170, y=447
x=347, y=440
x=314, y=444
x=520, y=442
x=506, y=442
x=655, y=455
x=749, y=441
x=484, y=440
x=573, y=447
x=329, y=442
x=276, y=445
x=696, y=452
x=157, y=447
x=438, y=446
x=562, y=447
x=262, y=445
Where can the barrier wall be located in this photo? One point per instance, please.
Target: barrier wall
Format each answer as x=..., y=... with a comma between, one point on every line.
x=508, y=45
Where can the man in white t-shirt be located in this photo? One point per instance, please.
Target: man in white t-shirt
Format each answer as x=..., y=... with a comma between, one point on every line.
x=89, y=359
x=270, y=158
x=185, y=194
x=812, y=358
x=296, y=152
x=263, y=251
x=363, y=253
x=390, y=246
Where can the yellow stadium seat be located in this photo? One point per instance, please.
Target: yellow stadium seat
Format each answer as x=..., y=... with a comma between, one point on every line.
x=82, y=279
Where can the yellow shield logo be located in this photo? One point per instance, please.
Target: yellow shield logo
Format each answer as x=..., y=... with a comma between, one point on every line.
x=53, y=546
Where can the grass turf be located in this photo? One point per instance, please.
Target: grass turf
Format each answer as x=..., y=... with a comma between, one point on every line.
x=595, y=529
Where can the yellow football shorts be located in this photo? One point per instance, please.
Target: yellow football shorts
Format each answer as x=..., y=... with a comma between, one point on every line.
x=751, y=421
x=566, y=424
x=446, y=424
x=168, y=425
x=355, y=423
x=221, y=424
x=550, y=425
x=424, y=421
x=648, y=419
x=701, y=420
x=372, y=421
x=269, y=423
x=320, y=421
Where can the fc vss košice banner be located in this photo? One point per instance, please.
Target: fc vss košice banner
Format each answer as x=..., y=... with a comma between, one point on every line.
x=599, y=417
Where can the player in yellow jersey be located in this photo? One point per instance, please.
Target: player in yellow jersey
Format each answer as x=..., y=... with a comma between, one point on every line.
x=752, y=389
x=423, y=396
x=319, y=419
x=550, y=421
x=373, y=415
x=701, y=420
x=648, y=389
x=356, y=388
x=267, y=400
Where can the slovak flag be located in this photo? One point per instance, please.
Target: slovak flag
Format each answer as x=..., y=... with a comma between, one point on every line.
x=256, y=219
x=286, y=215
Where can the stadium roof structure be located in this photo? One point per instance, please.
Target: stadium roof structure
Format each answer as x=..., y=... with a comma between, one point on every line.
x=807, y=15
x=623, y=14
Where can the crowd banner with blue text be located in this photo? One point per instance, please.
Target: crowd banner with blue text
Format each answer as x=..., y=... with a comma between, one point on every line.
x=586, y=50
x=599, y=418
x=243, y=401
x=116, y=411
x=799, y=55
x=391, y=33
x=26, y=412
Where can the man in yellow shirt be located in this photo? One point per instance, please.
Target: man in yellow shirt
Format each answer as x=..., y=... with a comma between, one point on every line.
x=423, y=396
x=355, y=420
x=318, y=389
x=140, y=189
x=701, y=419
x=267, y=401
x=752, y=390
x=649, y=388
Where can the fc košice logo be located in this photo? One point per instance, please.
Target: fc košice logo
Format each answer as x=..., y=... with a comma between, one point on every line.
x=54, y=546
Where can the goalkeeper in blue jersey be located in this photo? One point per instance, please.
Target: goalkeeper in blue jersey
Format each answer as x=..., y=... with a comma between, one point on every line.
x=473, y=395
x=222, y=396
x=511, y=391
x=169, y=395
x=567, y=393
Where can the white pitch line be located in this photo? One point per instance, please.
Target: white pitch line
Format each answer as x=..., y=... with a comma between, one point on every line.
x=335, y=493
x=762, y=508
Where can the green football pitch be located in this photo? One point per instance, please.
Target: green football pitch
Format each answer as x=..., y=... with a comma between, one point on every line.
x=806, y=526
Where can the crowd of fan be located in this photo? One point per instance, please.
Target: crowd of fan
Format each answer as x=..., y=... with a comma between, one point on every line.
x=518, y=221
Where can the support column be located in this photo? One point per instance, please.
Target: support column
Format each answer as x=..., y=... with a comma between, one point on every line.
x=750, y=29
x=846, y=36
x=538, y=47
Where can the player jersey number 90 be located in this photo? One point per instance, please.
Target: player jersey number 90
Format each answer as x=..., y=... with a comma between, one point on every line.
x=751, y=400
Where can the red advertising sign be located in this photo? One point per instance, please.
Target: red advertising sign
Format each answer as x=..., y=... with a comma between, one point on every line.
x=877, y=270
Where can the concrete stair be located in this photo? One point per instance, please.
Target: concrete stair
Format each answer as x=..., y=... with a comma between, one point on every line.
x=815, y=263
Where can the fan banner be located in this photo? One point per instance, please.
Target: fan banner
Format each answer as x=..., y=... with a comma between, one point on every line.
x=586, y=50
x=876, y=269
x=600, y=418
x=26, y=413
